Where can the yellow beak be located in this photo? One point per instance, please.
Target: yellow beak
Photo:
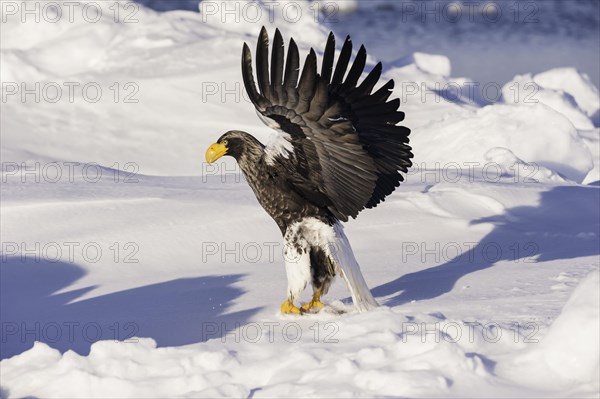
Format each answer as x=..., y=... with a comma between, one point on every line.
x=215, y=151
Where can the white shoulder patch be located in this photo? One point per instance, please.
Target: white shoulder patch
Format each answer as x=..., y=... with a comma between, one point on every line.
x=280, y=142
x=279, y=145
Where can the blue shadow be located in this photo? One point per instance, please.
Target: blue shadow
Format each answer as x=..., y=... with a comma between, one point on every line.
x=176, y=312
x=565, y=225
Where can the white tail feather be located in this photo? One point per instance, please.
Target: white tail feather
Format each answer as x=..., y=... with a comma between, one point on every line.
x=341, y=252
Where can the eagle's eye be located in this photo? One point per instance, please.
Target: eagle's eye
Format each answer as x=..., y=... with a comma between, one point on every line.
x=224, y=142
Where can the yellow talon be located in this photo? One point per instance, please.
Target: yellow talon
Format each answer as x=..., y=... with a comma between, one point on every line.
x=315, y=303
x=288, y=308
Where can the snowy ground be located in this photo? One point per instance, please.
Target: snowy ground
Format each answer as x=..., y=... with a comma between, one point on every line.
x=131, y=269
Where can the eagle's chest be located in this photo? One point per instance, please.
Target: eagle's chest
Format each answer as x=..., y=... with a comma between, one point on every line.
x=278, y=199
x=275, y=196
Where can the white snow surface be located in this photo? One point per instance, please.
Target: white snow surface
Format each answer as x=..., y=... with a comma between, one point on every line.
x=131, y=269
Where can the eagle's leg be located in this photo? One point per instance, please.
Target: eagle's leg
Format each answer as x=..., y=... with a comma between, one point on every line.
x=322, y=273
x=315, y=303
x=297, y=267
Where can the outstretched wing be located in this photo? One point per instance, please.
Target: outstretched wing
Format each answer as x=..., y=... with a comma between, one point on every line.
x=346, y=153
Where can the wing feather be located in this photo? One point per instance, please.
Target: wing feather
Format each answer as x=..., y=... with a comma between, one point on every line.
x=277, y=69
x=328, y=55
x=342, y=63
x=308, y=79
x=355, y=71
x=292, y=71
x=366, y=87
x=262, y=64
x=348, y=151
x=257, y=99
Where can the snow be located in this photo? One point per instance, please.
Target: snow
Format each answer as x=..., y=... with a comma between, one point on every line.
x=592, y=139
x=561, y=347
x=576, y=103
x=509, y=164
x=534, y=133
x=431, y=63
x=131, y=269
x=573, y=82
x=561, y=354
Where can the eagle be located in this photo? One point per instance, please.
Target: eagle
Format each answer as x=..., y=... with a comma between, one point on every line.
x=337, y=149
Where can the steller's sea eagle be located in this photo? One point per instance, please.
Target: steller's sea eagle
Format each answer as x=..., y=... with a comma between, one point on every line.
x=337, y=150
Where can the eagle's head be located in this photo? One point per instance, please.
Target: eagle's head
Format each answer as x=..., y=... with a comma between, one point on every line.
x=234, y=143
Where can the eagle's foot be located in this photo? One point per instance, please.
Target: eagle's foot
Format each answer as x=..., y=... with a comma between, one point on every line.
x=288, y=307
x=314, y=304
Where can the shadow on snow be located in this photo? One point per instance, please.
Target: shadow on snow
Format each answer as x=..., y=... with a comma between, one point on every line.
x=564, y=225
x=177, y=312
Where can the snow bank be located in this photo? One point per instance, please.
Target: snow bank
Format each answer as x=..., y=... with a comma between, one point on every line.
x=180, y=65
x=299, y=18
x=571, y=99
x=568, y=92
x=380, y=353
x=435, y=64
x=535, y=134
x=575, y=83
x=46, y=45
x=569, y=355
x=572, y=347
x=592, y=139
x=543, y=129
x=511, y=166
